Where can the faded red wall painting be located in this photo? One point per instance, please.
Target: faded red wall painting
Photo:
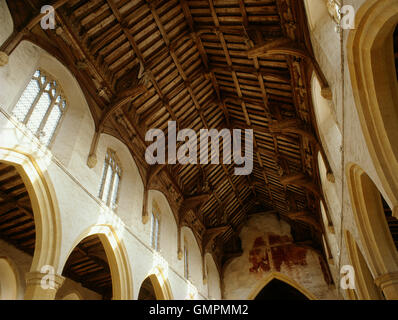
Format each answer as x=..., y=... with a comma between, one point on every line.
x=282, y=252
x=258, y=256
x=290, y=255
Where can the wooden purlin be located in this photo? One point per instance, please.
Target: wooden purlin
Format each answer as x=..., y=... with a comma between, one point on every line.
x=188, y=16
x=235, y=78
x=182, y=73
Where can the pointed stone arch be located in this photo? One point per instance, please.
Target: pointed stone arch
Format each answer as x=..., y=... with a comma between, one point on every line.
x=160, y=284
x=122, y=283
x=365, y=287
x=283, y=278
x=44, y=205
x=373, y=229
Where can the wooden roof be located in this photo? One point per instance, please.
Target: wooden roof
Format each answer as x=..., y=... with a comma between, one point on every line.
x=204, y=64
x=17, y=225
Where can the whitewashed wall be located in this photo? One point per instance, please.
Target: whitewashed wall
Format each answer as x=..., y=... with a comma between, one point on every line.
x=331, y=56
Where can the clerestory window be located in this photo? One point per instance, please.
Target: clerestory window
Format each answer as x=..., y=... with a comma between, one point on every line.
x=111, y=175
x=41, y=106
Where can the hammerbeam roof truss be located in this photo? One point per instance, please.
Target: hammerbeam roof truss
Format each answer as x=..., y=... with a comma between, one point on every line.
x=204, y=64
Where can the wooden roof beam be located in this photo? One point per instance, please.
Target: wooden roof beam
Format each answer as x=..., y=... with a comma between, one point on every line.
x=93, y=63
x=24, y=28
x=237, y=86
x=16, y=203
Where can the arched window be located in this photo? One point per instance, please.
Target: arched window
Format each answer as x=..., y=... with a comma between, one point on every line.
x=155, y=230
x=186, y=265
x=329, y=132
x=41, y=106
x=111, y=175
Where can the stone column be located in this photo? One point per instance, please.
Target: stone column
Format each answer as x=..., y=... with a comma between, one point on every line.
x=42, y=286
x=388, y=283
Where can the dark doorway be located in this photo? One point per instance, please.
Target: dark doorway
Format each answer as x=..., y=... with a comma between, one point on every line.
x=88, y=265
x=279, y=290
x=147, y=291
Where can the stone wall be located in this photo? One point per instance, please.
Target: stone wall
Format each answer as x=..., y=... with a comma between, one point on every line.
x=330, y=49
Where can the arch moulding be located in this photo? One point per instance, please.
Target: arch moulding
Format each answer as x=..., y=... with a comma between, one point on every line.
x=122, y=284
x=161, y=285
x=44, y=204
x=281, y=277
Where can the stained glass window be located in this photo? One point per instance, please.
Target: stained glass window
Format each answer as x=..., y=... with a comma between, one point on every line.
x=41, y=106
x=110, y=181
